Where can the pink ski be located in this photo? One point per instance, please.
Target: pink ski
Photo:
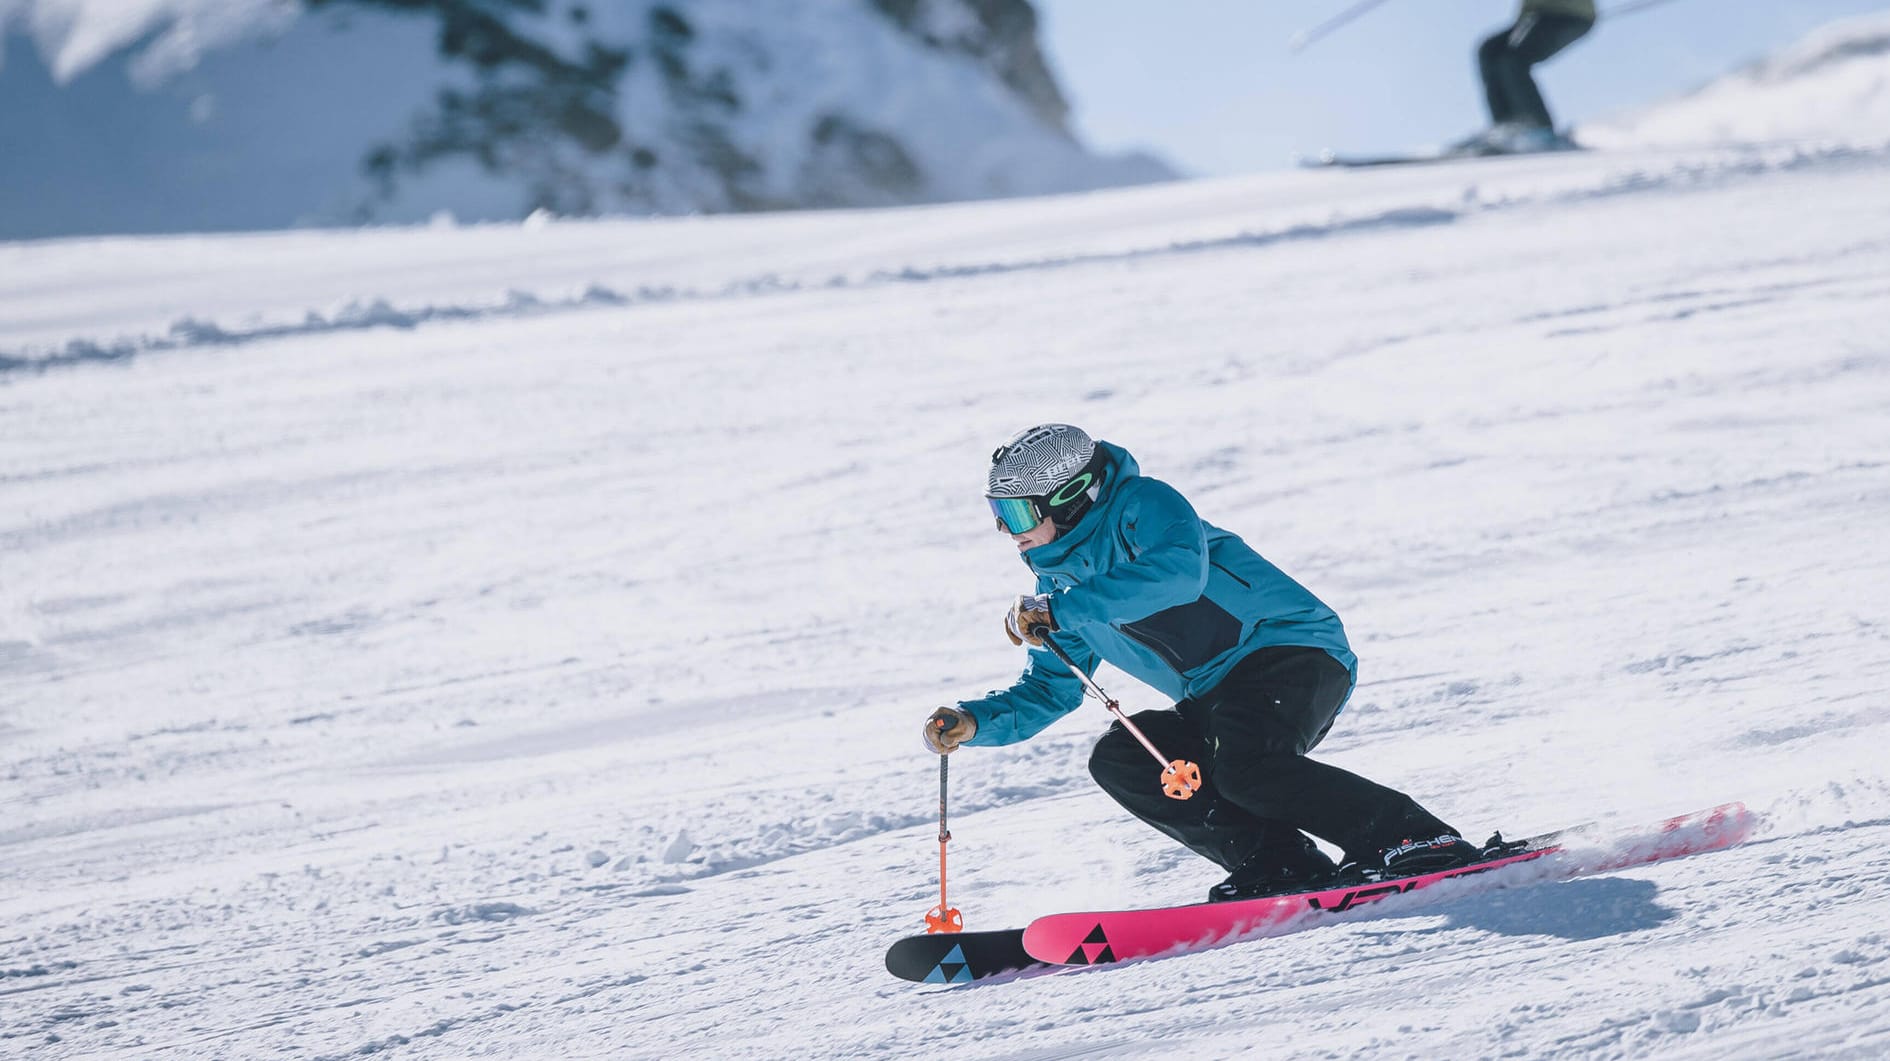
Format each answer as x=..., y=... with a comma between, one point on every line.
x=1090, y=938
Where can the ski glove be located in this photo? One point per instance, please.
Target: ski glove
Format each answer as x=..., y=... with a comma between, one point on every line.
x=1026, y=614
x=947, y=729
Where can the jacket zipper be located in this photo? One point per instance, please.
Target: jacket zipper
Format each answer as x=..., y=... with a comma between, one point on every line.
x=1231, y=575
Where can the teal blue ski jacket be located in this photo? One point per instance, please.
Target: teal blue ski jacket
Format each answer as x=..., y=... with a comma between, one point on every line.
x=1143, y=582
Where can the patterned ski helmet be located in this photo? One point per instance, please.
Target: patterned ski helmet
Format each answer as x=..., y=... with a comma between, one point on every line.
x=1050, y=471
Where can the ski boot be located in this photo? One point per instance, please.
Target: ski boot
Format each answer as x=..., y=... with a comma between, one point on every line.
x=1278, y=870
x=1412, y=858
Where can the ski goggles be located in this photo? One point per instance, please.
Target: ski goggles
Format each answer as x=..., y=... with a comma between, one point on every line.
x=1016, y=515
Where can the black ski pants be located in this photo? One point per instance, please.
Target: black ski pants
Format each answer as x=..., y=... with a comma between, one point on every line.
x=1250, y=735
x=1506, y=57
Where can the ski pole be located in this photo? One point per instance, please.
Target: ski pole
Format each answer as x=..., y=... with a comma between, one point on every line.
x=1629, y=8
x=1305, y=37
x=1180, y=778
x=943, y=918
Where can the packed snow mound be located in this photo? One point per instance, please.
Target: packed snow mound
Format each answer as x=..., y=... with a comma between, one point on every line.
x=1834, y=85
x=268, y=113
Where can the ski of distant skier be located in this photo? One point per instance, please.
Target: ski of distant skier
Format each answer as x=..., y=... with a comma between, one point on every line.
x=1334, y=160
x=1104, y=937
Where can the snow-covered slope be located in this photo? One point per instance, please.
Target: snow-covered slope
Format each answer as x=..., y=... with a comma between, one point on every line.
x=173, y=115
x=539, y=675
x=1833, y=86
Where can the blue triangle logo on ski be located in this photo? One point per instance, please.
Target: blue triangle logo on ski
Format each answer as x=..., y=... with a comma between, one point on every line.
x=951, y=969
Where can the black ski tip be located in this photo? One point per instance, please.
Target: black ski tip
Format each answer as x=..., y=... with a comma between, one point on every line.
x=958, y=957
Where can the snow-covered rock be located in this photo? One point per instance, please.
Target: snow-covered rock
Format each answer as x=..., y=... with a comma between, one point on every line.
x=143, y=115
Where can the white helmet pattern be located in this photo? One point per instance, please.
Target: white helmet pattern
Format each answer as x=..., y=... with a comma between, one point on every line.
x=1038, y=461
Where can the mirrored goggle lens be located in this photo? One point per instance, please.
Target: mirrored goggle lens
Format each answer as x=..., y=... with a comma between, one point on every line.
x=1015, y=515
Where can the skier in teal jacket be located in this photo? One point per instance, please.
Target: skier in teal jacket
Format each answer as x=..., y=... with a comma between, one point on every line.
x=1258, y=667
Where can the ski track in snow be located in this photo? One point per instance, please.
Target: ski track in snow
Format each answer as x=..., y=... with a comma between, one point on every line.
x=523, y=682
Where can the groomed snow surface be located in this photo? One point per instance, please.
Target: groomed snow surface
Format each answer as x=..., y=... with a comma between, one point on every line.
x=512, y=641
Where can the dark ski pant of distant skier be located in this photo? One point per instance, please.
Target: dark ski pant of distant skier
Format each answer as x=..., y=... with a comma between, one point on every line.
x=1506, y=57
x=1250, y=735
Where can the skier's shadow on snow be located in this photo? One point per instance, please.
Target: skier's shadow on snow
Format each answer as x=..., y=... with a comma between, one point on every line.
x=1575, y=910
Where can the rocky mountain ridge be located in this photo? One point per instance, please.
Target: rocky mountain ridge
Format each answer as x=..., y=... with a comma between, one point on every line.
x=494, y=109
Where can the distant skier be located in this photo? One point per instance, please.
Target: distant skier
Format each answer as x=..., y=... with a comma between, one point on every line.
x=1127, y=573
x=1519, y=119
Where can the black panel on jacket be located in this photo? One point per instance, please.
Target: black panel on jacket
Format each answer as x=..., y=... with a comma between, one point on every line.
x=1187, y=635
